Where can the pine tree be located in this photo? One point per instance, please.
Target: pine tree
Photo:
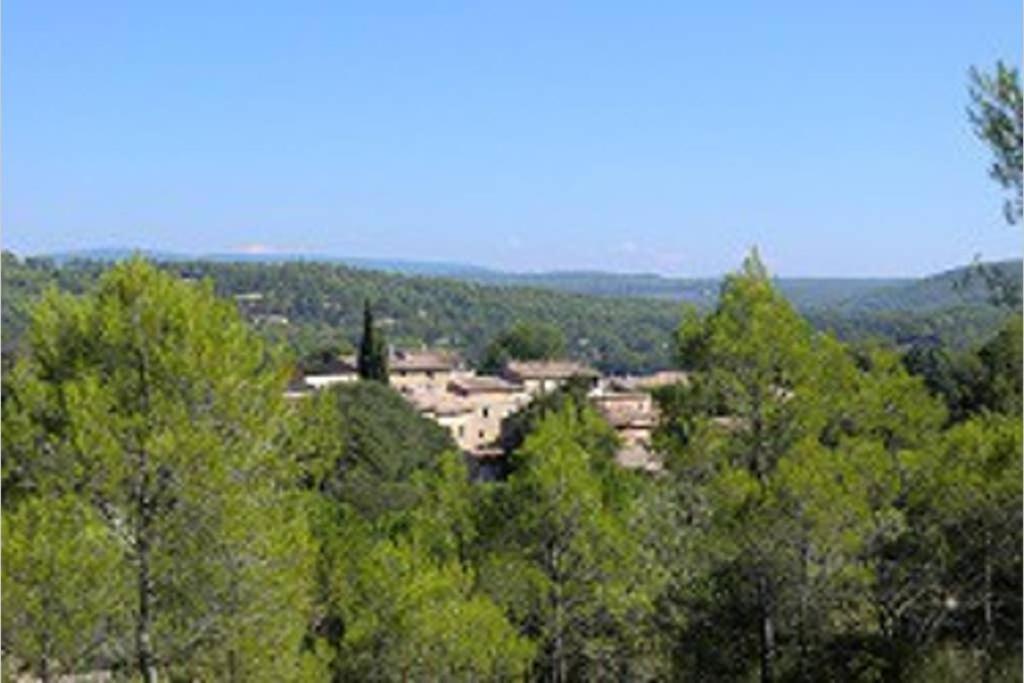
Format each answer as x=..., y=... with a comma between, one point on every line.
x=65, y=586
x=562, y=557
x=795, y=461
x=153, y=404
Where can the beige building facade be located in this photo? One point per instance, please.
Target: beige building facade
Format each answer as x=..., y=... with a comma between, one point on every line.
x=544, y=376
x=424, y=370
x=474, y=407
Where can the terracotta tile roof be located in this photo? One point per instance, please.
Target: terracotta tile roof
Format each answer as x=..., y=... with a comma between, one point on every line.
x=652, y=381
x=423, y=361
x=450, y=408
x=613, y=397
x=547, y=369
x=636, y=419
x=483, y=384
x=438, y=403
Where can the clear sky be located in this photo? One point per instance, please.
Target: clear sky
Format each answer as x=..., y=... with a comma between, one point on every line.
x=630, y=136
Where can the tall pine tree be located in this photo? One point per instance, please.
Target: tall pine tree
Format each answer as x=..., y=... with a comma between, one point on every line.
x=159, y=413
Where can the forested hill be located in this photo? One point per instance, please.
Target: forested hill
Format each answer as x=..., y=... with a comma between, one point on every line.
x=852, y=294
x=957, y=287
x=802, y=292
x=314, y=305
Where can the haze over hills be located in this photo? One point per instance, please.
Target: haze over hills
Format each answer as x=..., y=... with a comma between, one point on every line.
x=850, y=294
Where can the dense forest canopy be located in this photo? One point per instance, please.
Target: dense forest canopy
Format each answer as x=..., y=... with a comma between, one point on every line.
x=825, y=513
x=314, y=306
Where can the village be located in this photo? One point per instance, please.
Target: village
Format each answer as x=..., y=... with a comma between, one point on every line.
x=473, y=406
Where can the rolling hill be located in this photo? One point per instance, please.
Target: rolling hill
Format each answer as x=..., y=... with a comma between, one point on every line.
x=621, y=323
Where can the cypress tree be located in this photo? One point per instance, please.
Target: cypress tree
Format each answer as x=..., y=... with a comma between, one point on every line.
x=373, y=361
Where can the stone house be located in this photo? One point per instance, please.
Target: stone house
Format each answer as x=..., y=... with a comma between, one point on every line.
x=543, y=376
x=492, y=399
x=424, y=369
x=634, y=417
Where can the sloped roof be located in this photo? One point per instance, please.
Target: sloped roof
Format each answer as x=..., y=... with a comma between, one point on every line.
x=636, y=419
x=548, y=369
x=652, y=381
x=424, y=361
x=483, y=384
x=440, y=404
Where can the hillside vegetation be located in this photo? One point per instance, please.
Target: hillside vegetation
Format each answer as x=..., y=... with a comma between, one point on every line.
x=317, y=305
x=824, y=512
x=943, y=290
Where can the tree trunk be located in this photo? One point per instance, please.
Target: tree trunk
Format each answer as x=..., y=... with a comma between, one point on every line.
x=44, y=666
x=986, y=662
x=804, y=599
x=558, y=655
x=144, y=509
x=767, y=631
x=144, y=620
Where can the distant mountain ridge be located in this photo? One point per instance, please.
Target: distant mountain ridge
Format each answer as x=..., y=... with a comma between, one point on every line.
x=850, y=295
x=315, y=305
x=955, y=287
x=406, y=267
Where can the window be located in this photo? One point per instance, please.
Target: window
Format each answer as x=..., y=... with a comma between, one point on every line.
x=486, y=412
x=480, y=434
x=462, y=430
x=430, y=374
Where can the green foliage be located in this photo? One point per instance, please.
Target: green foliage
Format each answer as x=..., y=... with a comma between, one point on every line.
x=930, y=295
x=373, y=352
x=66, y=591
x=322, y=359
x=323, y=304
x=524, y=341
x=984, y=379
x=995, y=112
x=564, y=561
x=399, y=591
x=320, y=299
x=795, y=461
x=1002, y=359
x=822, y=517
x=598, y=438
x=361, y=444
x=152, y=402
x=408, y=617
x=970, y=496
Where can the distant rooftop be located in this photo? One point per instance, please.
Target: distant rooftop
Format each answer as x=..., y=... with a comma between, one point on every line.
x=548, y=369
x=635, y=419
x=438, y=403
x=648, y=382
x=424, y=360
x=483, y=384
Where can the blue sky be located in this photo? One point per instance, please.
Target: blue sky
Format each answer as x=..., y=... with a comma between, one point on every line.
x=665, y=137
